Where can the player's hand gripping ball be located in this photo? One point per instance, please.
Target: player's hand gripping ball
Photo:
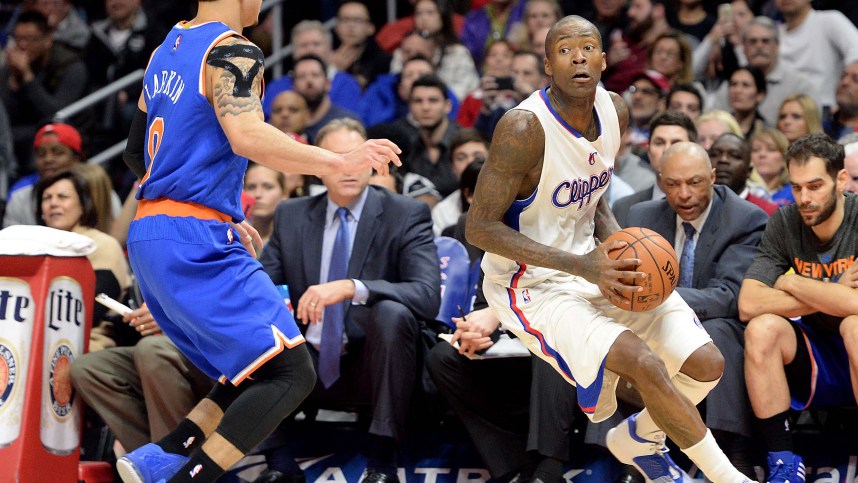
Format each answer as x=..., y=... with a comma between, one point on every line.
x=658, y=261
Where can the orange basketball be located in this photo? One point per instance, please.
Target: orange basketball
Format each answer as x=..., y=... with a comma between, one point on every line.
x=658, y=261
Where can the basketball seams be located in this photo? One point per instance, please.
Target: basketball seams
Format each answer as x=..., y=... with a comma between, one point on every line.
x=657, y=270
x=650, y=263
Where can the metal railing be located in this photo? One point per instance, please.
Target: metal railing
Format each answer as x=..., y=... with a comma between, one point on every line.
x=275, y=60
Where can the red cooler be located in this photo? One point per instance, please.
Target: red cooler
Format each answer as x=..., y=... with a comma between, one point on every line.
x=46, y=306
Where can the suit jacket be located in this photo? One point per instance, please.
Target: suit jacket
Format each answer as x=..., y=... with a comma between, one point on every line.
x=393, y=254
x=621, y=206
x=725, y=248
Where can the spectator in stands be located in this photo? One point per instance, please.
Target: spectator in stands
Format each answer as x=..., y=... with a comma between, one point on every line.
x=731, y=158
x=670, y=55
x=67, y=25
x=538, y=14
x=761, y=45
x=357, y=52
x=720, y=52
x=712, y=124
x=692, y=20
x=497, y=64
x=268, y=188
x=104, y=198
x=467, y=146
x=844, y=119
x=609, y=16
x=850, y=162
x=746, y=92
x=392, y=285
x=799, y=115
x=626, y=54
x=685, y=98
x=66, y=203
x=38, y=79
x=390, y=35
x=119, y=45
x=646, y=99
x=770, y=180
x=310, y=37
x=489, y=24
x=57, y=147
x=289, y=113
x=387, y=98
x=528, y=76
x=667, y=129
x=631, y=169
x=817, y=43
x=313, y=85
x=451, y=60
x=799, y=301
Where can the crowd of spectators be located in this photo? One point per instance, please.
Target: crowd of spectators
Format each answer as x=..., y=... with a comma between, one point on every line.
x=745, y=79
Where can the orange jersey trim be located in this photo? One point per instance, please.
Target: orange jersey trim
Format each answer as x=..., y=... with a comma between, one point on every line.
x=166, y=206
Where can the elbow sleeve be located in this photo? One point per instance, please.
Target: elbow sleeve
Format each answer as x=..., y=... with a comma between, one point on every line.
x=133, y=155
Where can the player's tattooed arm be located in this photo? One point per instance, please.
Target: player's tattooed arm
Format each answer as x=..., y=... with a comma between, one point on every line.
x=236, y=77
x=622, y=111
x=512, y=171
x=605, y=222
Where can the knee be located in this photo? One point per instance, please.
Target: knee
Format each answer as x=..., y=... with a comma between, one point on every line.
x=762, y=334
x=304, y=375
x=392, y=322
x=441, y=361
x=849, y=332
x=151, y=353
x=646, y=369
x=705, y=364
x=83, y=371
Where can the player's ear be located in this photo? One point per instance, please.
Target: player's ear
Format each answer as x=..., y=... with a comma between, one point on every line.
x=547, y=65
x=604, y=62
x=841, y=180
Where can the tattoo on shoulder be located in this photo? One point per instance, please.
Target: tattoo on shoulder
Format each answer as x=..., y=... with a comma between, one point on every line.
x=238, y=87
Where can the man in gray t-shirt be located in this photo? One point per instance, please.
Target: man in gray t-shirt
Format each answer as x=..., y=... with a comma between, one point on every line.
x=800, y=301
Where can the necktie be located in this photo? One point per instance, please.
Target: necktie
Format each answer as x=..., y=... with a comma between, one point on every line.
x=332, y=326
x=686, y=261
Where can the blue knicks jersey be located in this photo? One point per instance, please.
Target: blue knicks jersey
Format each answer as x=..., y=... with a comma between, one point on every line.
x=188, y=157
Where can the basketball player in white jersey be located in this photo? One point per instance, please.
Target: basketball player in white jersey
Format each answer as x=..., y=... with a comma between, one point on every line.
x=538, y=212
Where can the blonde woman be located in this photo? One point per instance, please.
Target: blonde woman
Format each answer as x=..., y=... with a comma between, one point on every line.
x=714, y=123
x=268, y=188
x=770, y=179
x=538, y=14
x=799, y=115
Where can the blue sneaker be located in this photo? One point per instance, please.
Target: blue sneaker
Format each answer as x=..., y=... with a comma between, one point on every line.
x=149, y=464
x=649, y=457
x=785, y=467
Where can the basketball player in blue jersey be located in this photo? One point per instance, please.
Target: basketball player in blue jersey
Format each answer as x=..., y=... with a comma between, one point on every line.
x=200, y=118
x=538, y=212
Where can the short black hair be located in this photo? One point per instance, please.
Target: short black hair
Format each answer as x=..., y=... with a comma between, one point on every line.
x=468, y=181
x=757, y=75
x=430, y=80
x=689, y=88
x=37, y=18
x=671, y=118
x=817, y=146
x=313, y=57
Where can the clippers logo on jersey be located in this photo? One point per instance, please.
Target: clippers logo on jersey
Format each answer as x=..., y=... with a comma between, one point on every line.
x=176, y=43
x=8, y=374
x=62, y=393
x=592, y=158
x=580, y=190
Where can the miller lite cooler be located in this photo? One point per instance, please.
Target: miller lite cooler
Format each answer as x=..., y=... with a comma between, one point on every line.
x=46, y=306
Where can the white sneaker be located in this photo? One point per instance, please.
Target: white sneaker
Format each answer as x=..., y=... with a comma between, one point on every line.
x=649, y=457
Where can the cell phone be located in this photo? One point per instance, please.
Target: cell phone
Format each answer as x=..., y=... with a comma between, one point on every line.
x=505, y=83
x=725, y=12
x=112, y=304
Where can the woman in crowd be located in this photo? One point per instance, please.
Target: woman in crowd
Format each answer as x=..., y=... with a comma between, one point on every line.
x=670, y=55
x=799, y=115
x=268, y=188
x=66, y=203
x=714, y=123
x=538, y=14
x=770, y=179
x=498, y=64
x=746, y=91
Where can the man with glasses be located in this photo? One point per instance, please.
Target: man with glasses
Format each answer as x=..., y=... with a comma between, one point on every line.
x=761, y=44
x=645, y=98
x=39, y=78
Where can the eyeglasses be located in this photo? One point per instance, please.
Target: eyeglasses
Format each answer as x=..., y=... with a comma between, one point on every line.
x=27, y=39
x=759, y=40
x=647, y=91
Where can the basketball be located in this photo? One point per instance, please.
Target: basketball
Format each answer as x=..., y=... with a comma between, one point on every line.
x=658, y=261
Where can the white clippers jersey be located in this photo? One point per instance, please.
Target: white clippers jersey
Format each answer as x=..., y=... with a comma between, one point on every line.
x=575, y=174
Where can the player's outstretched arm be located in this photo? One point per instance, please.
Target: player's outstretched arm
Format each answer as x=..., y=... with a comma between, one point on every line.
x=514, y=162
x=234, y=85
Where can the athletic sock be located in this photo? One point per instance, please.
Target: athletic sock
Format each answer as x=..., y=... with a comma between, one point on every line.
x=200, y=468
x=776, y=433
x=713, y=462
x=548, y=470
x=645, y=427
x=281, y=459
x=183, y=440
x=382, y=455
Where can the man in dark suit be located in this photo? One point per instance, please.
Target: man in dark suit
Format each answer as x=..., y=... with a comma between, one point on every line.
x=726, y=233
x=666, y=129
x=391, y=283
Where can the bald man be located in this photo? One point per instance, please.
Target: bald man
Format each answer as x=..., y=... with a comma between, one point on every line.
x=726, y=233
